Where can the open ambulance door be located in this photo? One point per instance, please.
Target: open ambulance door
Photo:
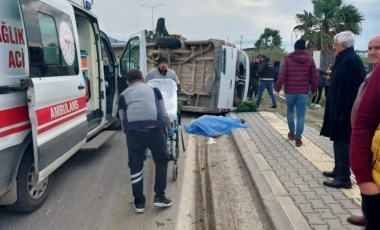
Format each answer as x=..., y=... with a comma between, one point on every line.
x=133, y=57
x=110, y=70
x=56, y=87
x=227, y=80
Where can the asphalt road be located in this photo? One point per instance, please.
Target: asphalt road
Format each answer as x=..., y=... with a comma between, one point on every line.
x=92, y=190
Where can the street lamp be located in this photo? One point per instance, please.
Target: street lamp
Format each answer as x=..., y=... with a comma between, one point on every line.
x=152, y=7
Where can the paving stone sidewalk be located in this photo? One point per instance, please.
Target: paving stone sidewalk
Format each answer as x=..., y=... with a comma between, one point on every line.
x=289, y=179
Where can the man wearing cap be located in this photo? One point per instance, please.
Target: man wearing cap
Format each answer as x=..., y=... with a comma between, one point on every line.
x=145, y=123
x=299, y=74
x=162, y=71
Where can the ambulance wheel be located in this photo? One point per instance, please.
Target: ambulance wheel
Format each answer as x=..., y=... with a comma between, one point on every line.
x=30, y=195
x=167, y=41
x=175, y=172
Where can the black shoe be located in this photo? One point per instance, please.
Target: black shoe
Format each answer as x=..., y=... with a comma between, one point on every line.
x=162, y=202
x=139, y=208
x=329, y=174
x=298, y=143
x=356, y=220
x=291, y=136
x=274, y=106
x=337, y=184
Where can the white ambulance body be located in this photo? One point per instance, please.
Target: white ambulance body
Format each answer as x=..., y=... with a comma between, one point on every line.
x=58, y=93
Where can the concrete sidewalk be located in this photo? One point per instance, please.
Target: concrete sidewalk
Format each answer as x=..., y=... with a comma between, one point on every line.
x=289, y=179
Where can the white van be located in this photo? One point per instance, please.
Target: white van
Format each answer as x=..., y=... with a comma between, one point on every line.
x=58, y=93
x=214, y=74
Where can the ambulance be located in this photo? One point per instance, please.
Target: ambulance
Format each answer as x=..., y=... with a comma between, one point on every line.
x=58, y=93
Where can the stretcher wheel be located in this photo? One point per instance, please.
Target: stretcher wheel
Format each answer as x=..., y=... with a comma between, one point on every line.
x=175, y=171
x=176, y=150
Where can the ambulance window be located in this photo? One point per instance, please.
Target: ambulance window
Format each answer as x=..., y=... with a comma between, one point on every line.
x=108, y=61
x=131, y=56
x=51, y=42
x=49, y=39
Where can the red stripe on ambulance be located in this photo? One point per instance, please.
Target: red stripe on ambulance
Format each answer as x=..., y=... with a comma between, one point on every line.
x=58, y=111
x=15, y=130
x=44, y=129
x=13, y=116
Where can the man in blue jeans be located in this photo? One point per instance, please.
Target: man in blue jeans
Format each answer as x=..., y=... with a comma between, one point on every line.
x=266, y=76
x=299, y=74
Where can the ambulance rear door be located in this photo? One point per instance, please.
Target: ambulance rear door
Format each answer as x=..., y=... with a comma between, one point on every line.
x=133, y=57
x=57, y=106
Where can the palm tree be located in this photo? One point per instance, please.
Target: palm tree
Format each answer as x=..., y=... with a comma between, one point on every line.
x=328, y=18
x=269, y=39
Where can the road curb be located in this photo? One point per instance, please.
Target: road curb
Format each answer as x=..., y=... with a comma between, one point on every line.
x=279, y=207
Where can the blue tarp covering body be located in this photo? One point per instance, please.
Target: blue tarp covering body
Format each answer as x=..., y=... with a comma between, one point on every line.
x=213, y=126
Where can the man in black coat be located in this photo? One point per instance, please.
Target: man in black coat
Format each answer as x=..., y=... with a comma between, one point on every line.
x=266, y=75
x=253, y=78
x=347, y=74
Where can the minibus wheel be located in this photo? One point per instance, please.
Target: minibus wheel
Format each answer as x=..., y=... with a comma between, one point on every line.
x=167, y=41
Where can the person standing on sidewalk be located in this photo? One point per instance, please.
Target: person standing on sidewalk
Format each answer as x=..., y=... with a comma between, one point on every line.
x=365, y=118
x=299, y=74
x=327, y=80
x=146, y=124
x=321, y=83
x=276, y=67
x=347, y=74
x=266, y=75
x=253, y=78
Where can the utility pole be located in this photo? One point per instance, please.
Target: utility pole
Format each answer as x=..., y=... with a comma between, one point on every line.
x=152, y=7
x=241, y=42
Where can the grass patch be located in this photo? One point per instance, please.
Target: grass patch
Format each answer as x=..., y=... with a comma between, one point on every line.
x=247, y=106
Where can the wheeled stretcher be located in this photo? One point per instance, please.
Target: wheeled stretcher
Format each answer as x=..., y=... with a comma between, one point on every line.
x=168, y=90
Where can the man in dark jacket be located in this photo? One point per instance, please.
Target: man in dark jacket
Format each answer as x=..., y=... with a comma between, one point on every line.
x=253, y=78
x=266, y=75
x=276, y=68
x=299, y=75
x=321, y=82
x=347, y=74
x=145, y=123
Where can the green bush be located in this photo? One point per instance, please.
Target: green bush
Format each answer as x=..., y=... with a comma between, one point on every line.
x=247, y=106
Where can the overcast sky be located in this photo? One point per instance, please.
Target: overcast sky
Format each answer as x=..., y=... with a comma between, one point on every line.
x=222, y=19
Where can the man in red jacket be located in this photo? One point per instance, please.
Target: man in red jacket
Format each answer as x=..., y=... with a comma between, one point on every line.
x=299, y=75
x=365, y=118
